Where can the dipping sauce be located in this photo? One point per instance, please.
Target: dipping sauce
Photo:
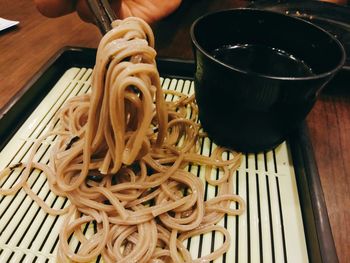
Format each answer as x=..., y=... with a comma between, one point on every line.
x=263, y=60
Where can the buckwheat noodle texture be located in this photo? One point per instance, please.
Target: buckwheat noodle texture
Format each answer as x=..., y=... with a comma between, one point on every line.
x=122, y=155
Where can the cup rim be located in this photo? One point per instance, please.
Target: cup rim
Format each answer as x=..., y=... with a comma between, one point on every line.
x=255, y=74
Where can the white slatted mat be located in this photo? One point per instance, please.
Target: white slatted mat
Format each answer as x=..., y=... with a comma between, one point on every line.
x=270, y=230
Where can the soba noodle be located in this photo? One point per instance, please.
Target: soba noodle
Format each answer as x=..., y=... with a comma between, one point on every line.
x=121, y=156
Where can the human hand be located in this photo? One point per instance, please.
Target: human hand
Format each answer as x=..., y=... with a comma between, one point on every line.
x=149, y=10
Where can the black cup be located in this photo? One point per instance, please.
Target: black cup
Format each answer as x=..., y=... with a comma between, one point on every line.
x=255, y=110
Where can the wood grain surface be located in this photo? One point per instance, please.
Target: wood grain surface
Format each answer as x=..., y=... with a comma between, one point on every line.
x=25, y=49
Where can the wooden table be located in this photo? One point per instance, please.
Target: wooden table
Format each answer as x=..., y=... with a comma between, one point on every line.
x=24, y=49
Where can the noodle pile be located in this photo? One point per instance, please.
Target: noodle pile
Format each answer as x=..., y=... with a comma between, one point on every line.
x=121, y=158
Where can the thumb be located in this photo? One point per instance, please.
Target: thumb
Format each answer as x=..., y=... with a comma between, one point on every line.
x=55, y=8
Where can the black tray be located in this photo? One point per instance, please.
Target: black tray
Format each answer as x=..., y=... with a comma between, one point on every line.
x=318, y=234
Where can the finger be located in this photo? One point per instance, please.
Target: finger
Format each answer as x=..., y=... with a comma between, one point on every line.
x=84, y=12
x=116, y=6
x=55, y=8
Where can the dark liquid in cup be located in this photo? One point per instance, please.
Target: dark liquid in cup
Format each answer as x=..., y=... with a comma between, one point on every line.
x=263, y=60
